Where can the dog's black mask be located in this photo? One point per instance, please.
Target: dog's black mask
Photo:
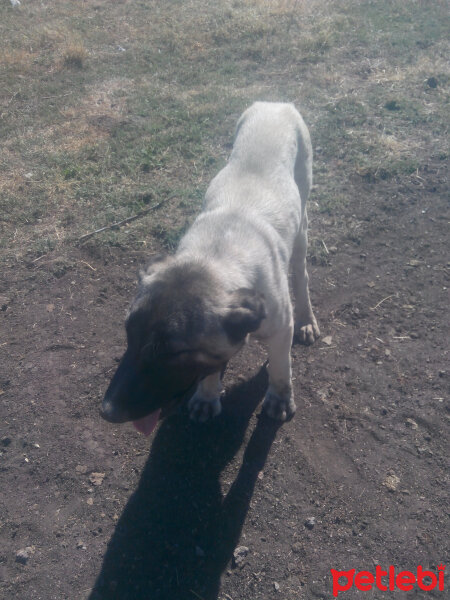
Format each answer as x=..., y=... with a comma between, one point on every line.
x=175, y=338
x=137, y=389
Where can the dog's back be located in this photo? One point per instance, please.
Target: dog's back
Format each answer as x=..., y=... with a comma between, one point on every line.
x=269, y=136
x=269, y=173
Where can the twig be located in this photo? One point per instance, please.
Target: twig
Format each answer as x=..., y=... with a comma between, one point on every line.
x=381, y=302
x=325, y=246
x=87, y=264
x=87, y=236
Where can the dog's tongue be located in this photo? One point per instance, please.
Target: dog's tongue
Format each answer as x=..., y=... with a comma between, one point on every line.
x=147, y=424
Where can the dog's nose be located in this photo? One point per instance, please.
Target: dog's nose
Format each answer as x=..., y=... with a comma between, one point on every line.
x=112, y=413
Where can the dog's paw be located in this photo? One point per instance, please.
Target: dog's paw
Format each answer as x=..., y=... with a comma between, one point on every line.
x=279, y=408
x=307, y=334
x=201, y=409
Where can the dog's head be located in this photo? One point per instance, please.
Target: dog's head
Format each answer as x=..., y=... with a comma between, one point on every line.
x=182, y=326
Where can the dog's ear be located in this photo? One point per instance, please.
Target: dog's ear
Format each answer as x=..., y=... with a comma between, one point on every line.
x=244, y=315
x=152, y=266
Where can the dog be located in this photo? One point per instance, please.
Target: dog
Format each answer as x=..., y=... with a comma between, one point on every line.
x=229, y=278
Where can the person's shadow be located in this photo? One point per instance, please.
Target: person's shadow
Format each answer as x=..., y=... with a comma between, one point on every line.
x=177, y=533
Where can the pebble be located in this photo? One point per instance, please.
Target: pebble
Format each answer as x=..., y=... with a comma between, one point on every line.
x=96, y=478
x=276, y=586
x=23, y=555
x=411, y=424
x=297, y=548
x=391, y=482
x=239, y=555
x=310, y=522
x=4, y=303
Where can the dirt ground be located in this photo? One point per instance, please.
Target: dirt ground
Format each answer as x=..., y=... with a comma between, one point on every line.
x=357, y=478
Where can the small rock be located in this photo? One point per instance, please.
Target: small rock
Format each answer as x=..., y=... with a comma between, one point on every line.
x=96, y=478
x=414, y=335
x=81, y=469
x=297, y=548
x=424, y=451
x=327, y=340
x=424, y=538
x=23, y=555
x=90, y=501
x=4, y=302
x=239, y=555
x=391, y=482
x=81, y=545
x=411, y=424
x=276, y=586
x=50, y=307
x=371, y=284
x=310, y=522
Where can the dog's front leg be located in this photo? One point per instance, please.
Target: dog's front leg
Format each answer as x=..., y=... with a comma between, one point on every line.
x=279, y=401
x=205, y=403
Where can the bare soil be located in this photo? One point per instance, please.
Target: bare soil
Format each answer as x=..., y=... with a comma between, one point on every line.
x=365, y=456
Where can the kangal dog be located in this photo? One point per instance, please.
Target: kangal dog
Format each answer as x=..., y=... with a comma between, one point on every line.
x=228, y=278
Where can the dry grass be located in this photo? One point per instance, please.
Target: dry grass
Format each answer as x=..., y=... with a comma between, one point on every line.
x=18, y=60
x=74, y=54
x=109, y=105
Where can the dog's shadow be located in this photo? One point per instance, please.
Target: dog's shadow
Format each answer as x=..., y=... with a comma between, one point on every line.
x=177, y=532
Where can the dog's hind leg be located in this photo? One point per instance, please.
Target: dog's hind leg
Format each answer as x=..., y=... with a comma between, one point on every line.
x=306, y=328
x=279, y=401
x=205, y=403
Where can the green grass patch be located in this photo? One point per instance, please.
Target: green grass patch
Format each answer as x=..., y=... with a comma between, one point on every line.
x=108, y=108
